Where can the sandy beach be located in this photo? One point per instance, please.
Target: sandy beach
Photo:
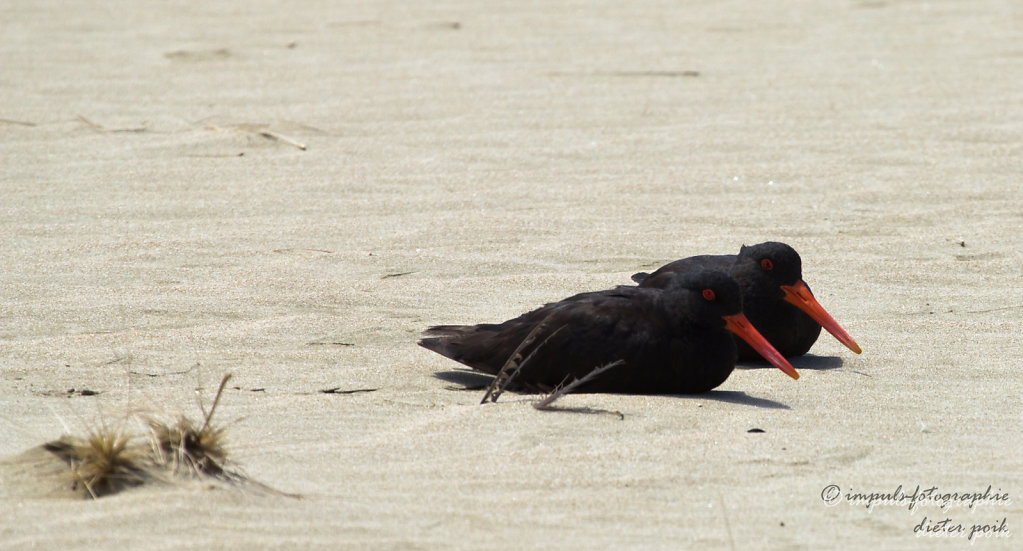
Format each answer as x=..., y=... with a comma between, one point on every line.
x=292, y=193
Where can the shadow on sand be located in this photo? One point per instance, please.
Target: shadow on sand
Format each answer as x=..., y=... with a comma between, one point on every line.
x=467, y=380
x=735, y=397
x=808, y=361
x=473, y=381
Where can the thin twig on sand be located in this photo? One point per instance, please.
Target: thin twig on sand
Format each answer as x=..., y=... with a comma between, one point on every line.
x=546, y=403
x=105, y=130
x=19, y=123
x=262, y=132
x=275, y=136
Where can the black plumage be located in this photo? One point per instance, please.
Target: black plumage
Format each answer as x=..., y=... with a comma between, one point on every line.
x=672, y=339
x=774, y=296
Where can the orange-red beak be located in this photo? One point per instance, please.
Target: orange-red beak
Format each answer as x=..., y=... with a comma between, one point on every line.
x=738, y=324
x=799, y=296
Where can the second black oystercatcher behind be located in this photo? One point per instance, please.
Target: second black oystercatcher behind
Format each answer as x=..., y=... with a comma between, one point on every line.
x=774, y=296
x=672, y=340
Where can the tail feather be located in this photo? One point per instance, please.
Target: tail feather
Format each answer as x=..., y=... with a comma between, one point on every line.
x=447, y=330
x=440, y=345
x=454, y=342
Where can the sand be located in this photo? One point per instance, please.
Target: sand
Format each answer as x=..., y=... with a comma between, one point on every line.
x=292, y=193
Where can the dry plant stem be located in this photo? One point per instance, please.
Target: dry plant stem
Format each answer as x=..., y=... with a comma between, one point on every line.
x=509, y=365
x=92, y=124
x=216, y=400
x=515, y=362
x=275, y=136
x=20, y=123
x=268, y=134
x=565, y=389
x=105, y=130
x=522, y=364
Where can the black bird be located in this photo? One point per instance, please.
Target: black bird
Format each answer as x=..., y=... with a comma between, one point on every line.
x=672, y=340
x=774, y=296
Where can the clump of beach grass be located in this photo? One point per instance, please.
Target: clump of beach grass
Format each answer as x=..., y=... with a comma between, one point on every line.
x=185, y=446
x=105, y=461
x=108, y=460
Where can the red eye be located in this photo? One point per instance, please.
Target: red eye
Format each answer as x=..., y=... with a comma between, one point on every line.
x=766, y=264
x=709, y=294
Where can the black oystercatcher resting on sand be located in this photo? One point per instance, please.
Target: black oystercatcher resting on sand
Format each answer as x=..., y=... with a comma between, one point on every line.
x=774, y=297
x=671, y=340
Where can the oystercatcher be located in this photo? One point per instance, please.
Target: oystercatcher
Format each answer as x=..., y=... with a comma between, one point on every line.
x=675, y=338
x=774, y=296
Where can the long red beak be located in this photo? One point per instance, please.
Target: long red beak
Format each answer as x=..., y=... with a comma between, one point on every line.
x=738, y=324
x=799, y=296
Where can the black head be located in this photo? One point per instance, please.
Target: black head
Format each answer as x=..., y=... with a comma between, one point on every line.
x=712, y=299
x=702, y=298
x=762, y=269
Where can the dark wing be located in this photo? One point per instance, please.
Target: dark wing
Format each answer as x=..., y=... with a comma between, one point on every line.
x=597, y=330
x=575, y=335
x=487, y=346
x=657, y=279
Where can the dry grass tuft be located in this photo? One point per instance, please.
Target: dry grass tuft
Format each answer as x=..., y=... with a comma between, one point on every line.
x=184, y=445
x=104, y=462
x=198, y=449
x=108, y=461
